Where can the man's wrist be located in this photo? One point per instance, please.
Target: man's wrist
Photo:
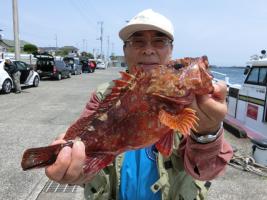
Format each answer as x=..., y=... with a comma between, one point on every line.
x=207, y=138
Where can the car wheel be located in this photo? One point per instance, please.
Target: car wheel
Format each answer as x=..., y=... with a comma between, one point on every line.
x=36, y=81
x=7, y=86
x=59, y=77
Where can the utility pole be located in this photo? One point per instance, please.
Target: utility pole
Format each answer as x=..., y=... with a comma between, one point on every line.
x=101, y=38
x=108, y=47
x=94, y=52
x=16, y=29
x=112, y=48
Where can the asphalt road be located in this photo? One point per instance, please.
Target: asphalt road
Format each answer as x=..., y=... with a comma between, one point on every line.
x=34, y=118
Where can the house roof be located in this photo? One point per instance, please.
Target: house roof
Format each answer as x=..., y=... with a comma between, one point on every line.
x=11, y=43
x=48, y=48
x=70, y=47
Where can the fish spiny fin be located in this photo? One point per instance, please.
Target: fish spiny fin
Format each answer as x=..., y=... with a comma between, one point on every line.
x=126, y=76
x=121, y=87
x=165, y=144
x=116, y=90
x=182, y=122
x=121, y=83
x=108, y=102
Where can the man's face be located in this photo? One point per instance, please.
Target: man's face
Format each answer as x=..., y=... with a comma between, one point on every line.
x=147, y=48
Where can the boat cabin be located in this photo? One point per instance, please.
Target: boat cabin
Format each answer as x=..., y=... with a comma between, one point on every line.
x=247, y=105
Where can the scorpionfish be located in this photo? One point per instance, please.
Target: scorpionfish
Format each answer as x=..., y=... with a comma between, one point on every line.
x=144, y=107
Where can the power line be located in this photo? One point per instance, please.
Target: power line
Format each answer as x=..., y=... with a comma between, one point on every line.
x=92, y=7
x=56, y=39
x=81, y=13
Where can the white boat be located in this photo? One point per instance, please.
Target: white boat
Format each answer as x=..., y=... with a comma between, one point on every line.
x=247, y=103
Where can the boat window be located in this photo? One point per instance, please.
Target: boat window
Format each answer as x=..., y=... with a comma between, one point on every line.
x=263, y=76
x=253, y=76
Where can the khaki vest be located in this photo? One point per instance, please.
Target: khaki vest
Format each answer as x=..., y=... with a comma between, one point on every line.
x=174, y=183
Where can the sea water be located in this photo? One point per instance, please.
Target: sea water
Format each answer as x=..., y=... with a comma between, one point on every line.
x=235, y=74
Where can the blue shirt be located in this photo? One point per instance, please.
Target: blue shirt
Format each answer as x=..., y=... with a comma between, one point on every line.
x=139, y=171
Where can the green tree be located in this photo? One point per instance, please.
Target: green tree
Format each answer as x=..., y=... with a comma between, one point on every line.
x=63, y=52
x=30, y=48
x=87, y=55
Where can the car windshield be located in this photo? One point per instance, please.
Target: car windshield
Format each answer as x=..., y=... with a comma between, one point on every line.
x=59, y=63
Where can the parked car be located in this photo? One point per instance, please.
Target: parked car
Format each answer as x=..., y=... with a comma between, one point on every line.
x=48, y=66
x=100, y=64
x=88, y=65
x=75, y=65
x=28, y=76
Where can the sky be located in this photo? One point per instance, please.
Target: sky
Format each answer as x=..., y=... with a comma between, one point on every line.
x=227, y=31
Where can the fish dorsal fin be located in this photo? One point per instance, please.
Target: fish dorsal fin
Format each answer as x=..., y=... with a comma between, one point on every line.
x=182, y=122
x=121, y=86
x=164, y=145
x=126, y=76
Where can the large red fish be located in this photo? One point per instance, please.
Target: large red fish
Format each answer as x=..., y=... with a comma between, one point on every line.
x=143, y=108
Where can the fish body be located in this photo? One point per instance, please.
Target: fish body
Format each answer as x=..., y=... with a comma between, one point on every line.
x=143, y=108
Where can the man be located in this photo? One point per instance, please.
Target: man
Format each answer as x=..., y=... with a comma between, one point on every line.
x=14, y=73
x=145, y=173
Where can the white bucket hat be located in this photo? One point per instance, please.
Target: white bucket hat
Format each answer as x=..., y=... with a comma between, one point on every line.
x=147, y=20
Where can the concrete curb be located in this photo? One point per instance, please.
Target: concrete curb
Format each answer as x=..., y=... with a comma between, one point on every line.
x=37, y=189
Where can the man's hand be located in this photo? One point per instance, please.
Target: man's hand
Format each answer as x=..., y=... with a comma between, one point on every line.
x=68, y=168
x=211, y=109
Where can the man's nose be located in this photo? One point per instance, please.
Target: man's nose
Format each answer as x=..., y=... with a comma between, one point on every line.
x=148, y=49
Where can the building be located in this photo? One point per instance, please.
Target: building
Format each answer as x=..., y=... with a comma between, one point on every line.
x=50, y=50
x=2, y=47
x=9, y=45
x=70, y=49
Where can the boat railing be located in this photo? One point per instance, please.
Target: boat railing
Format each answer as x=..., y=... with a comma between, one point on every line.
x=220, y=77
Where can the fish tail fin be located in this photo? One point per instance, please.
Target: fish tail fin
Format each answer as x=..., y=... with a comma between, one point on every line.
x=42, y=156
x=182, y=122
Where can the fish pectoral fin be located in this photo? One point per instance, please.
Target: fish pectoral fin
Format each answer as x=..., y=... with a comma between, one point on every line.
x=164, y=145
x=95, y=162
x=182, y=122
